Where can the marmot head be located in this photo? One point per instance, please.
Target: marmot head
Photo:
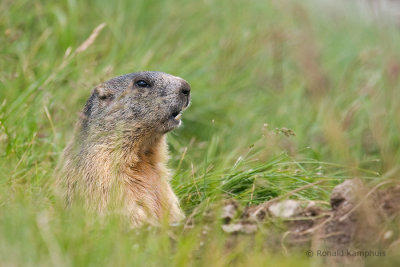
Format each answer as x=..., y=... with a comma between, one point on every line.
x=141, y=103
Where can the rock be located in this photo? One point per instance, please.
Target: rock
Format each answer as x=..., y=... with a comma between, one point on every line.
x=344, y=195
x=229, y=211
x=231, y=228
x=285, y=209
x=244, y=228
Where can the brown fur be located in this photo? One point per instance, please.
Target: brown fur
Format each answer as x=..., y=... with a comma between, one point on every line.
x=117, y=158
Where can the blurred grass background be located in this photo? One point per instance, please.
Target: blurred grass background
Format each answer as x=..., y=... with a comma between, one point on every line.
x=285, y=93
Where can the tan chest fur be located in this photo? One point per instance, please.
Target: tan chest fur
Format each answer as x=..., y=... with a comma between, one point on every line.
x=134, y=183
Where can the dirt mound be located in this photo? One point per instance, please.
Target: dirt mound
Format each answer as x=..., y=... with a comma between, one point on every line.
x=359, y=217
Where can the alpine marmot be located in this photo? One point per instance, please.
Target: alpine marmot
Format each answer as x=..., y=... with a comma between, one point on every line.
x=117, y=157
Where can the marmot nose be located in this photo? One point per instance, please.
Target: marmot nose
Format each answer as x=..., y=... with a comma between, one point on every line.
x=185, y=89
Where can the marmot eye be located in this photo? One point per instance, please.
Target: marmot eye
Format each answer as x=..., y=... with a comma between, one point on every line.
x=142, y=83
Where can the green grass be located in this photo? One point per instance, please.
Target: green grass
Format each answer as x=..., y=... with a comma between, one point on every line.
x=257, y=68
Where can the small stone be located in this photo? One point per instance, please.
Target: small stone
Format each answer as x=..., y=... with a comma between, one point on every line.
x=244, y=228
x=388, y=235
x=229, y=211
x=285, y=209
x=231, y=228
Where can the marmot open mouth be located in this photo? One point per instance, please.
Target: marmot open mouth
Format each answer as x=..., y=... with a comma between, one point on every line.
x=177, y=115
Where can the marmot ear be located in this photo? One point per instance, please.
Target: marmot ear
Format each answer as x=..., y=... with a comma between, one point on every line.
x=103, y=93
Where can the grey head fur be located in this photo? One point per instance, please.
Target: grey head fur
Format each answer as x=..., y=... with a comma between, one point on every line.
x=136, y=104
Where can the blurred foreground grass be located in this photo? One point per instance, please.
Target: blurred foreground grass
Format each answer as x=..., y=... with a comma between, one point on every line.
x=284, y=94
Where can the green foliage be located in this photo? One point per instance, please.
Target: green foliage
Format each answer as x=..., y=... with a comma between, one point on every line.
x=284, y=95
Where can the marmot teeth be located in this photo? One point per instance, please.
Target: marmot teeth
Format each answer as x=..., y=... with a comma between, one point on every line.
x=178, y=117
